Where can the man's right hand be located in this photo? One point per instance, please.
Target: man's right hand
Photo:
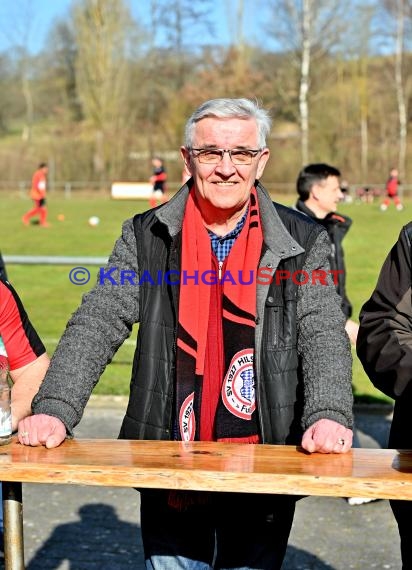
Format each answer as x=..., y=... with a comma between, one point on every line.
x=41, y=429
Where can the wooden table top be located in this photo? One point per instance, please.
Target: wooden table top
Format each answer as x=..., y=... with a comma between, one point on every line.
x=210, y=466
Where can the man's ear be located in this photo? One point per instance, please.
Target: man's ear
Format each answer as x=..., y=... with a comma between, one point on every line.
x=263, y=158
x=314, y=192
x=186, y=156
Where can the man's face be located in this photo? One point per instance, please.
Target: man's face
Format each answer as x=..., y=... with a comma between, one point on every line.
x=327, y=194
x=225, y=186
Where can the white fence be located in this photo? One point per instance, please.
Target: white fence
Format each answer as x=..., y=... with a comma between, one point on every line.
x=52, y=260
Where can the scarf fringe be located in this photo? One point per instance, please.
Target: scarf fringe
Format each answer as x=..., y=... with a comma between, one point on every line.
x=252, y=439
x=183, y=500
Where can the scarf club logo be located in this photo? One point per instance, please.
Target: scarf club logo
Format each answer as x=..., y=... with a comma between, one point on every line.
x=187, y=422
x=238, y=390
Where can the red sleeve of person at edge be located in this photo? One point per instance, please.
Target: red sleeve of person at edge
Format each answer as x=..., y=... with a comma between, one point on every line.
x=21, y=341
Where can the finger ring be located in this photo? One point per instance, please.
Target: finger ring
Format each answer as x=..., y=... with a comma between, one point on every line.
x=341, y=441
x=24, y=433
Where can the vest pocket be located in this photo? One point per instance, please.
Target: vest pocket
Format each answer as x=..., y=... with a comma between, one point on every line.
x=279, y=330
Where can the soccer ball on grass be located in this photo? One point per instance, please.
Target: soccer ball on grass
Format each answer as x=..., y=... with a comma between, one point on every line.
x=94, y=221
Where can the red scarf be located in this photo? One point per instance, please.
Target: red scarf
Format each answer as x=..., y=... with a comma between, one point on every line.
x=215, y=392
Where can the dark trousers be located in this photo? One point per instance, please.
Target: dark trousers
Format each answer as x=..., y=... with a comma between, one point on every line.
x=229, y=530
x=402, y=511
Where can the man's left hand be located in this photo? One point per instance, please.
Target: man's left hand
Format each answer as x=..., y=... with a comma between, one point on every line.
x=327, y=436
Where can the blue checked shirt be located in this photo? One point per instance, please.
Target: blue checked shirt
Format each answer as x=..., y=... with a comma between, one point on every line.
x=221, y=245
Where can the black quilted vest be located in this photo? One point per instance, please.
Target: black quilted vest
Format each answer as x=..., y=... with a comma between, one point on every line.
x=150, y=412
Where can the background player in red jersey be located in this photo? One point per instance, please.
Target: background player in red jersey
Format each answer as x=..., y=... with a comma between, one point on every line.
x=158, y=180
x=38, y=195
x=391, y=188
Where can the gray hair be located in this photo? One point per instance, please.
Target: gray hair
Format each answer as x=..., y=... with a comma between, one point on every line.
x=230, y=108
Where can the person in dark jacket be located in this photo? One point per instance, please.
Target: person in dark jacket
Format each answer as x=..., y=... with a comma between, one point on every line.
x=320, y=192
x=216, y=360
x=385, y=349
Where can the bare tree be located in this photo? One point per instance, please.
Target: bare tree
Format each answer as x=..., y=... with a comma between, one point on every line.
x=59, y=64
x=357, y=46
x=176, y=33
x=399, y=15
x=308, y=30
x=183, y=23
x=304, y=78
x=21, y=13
x=102, y=33
x=10, y=104
x=235, y=19
x=400, y=87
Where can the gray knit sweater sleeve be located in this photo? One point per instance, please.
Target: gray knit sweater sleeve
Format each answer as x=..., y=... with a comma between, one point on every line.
x=323, y=345
x=93, y=334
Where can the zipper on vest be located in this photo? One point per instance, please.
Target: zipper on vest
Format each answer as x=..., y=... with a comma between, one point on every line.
x=220, y=265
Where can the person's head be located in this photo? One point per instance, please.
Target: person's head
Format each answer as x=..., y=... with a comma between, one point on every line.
x=318, y=186
x=394, y=172
x=344, y=186
x=43, y=166
x=157, y=162
x=223, y=180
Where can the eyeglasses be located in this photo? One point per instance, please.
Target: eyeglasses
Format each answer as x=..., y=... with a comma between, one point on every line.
x=239, y=156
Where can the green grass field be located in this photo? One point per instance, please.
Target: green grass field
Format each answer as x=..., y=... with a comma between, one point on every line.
x=50, y=297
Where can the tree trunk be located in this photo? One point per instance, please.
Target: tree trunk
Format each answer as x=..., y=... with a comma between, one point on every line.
x=400, y=94
x=304, y=81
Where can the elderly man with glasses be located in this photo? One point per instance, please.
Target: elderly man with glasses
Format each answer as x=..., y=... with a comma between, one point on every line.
x=241, y=339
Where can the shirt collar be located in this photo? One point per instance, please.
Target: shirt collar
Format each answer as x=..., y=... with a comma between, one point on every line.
x=233, y=233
